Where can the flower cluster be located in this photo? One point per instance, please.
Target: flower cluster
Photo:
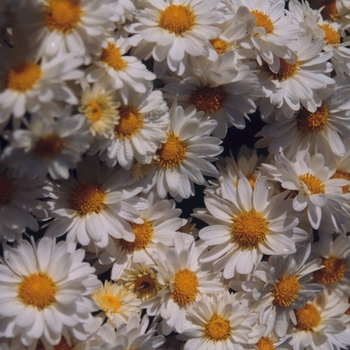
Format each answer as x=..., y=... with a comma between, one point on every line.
x=138, y=211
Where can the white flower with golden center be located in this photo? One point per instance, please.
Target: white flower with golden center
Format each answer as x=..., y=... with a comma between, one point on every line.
x=250, y=224
x=47, y=146
x=14, y=216
x=171, y=31
x=139, y=132
x=335, y=255
x=79, y=27
x=281, y=285
x=222, y=321
x=316, y=191
x=184, y=281
x=116, y=68
x=45, y=291
x=95, y=205
x=116, y=303
x=325, y=129
x=185, y=156
x=100, y=107
x=28, y=84
x=318, y=324
x=224, y=91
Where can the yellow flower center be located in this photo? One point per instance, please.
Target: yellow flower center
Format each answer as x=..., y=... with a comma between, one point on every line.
x=342, y=175
x=313, y=183
x=172, y=153
x=333, y=271
x=287, y=70
x=209, y=99
x=185, y=286
x=331, y=35
x=177, y=19
x=249, y=229
x=143, y=236
x=144, y=285
x=312, y=123
x=87, y=198
x=7, y=189
x=265, y=344
x=220, y=46
x=286, y=291
x=330, y=10
x=62, y=345
x=110, y=303
x=217, y=328
x=93, y=112
x=37, y=289
x=63, y=15
x=23, y=76
x=263, y=20
x=308, y=317
x=49, y=146
x=130, y=122
x=112, y=56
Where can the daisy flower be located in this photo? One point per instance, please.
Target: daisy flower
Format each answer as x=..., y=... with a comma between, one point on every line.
x=28, y=84
x=139, y=132
x=315, y=190
x=335, y=255
x=224, y=91
x=133, y=335
x=79, y=27
x=251, y=224
x=161, y=221
x=45, y=292
x=119, y=70
x=184, y=281
x=185, y=156
x=171, y=31
x=222, y=321
x=117, y=304
x=95, y=205
x=47, y=146
x=325, y=129
x=100, y=107
x=281, y=285
x=317, y=324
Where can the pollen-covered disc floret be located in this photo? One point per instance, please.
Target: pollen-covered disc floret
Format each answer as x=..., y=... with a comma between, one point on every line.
x=47, y=290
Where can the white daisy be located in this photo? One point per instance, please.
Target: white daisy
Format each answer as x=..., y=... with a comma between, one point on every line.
x=20, y=205
x=79, y=27
x=116, y=303
x=185, y=156
x=223, y=90
x=318, y=323
x=185, y=281
x=119, y=70
x=170, y=31
x=325, y=129
x=45, y=291
x=222, y=321
x=281, y=285
x=95, y=205
x=315, y=189
x=139, y=132
x=251, y=224
x=134, y=335
x=47, y=146
x=28, y=84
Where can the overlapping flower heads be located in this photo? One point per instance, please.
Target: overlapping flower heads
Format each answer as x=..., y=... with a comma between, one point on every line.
x=135, y=212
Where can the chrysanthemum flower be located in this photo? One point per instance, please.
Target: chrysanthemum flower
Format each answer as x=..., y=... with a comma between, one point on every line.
x=222, y=321
x=251, y=224
x=170, y=31
x=281, y=285
x=79, y=27
x=45, y=292
x=47, y=146
x=95, y=205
